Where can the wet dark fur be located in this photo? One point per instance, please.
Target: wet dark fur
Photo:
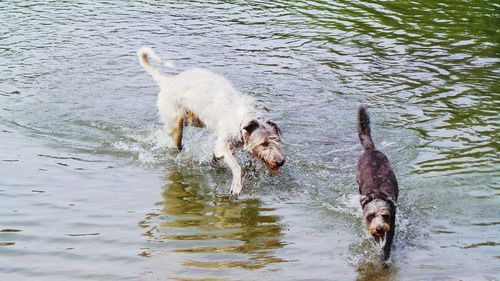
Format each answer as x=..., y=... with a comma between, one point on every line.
x=375, y=176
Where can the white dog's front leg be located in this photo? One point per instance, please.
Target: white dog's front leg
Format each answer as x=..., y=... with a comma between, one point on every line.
x=222, y=149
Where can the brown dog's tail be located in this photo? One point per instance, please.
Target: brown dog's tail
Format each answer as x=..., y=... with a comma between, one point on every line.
x=364, y=131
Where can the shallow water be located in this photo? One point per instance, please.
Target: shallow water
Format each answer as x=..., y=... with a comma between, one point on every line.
x=90, y=191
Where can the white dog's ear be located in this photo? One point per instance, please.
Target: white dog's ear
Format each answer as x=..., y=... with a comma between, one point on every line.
x=248, y=130
x=276, y=128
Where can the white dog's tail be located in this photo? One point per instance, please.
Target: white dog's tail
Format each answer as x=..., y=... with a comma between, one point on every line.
x=145, y=54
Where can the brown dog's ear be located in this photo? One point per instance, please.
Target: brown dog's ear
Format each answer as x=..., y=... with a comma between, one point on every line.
x=248, y=130
x=392, y=202
x=363, y=199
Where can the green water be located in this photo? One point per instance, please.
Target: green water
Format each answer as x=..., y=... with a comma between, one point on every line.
x=90, y=191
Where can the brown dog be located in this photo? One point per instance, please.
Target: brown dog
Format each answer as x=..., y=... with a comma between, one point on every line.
x=377, y=186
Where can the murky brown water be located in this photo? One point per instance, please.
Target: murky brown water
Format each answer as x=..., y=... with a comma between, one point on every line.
x=88, y=190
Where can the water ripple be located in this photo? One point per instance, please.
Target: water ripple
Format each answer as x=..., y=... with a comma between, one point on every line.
x=77, y=110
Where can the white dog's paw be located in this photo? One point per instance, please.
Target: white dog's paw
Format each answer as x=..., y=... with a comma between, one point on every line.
x=236, y=188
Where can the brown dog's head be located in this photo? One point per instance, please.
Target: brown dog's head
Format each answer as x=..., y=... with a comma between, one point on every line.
x=377, y=213
x=262, y=139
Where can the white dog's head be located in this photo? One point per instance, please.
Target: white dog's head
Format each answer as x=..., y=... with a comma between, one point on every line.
x=262, y=139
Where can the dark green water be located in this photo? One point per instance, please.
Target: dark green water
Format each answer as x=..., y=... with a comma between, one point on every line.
x=89, y=191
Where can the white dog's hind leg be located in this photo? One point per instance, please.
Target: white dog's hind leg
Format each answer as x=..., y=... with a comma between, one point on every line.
x=176, y=133
x=173, y=121
x=222, y=150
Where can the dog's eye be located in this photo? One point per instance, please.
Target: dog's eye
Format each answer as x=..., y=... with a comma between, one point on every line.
x=370, y=217
x=386, y=217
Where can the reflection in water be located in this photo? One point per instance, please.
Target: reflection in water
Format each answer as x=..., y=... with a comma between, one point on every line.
x=366, y=259
x=375, y=272
x=419, y=60
x=218, y=231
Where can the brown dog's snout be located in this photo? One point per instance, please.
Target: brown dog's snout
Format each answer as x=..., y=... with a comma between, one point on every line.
x=380, y=230
x=280, y=162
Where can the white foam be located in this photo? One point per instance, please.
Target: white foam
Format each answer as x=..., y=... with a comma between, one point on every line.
x=346, y=204
x=154, y=146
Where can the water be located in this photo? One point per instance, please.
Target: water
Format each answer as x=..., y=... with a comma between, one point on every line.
x=89, y=190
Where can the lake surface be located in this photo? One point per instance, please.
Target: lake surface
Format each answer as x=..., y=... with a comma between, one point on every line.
x=90, y=191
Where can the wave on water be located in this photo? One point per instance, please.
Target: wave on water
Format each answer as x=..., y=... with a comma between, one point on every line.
x=365, y=251
x=154, y=147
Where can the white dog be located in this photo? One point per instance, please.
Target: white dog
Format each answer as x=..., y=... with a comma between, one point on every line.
x=201, y=98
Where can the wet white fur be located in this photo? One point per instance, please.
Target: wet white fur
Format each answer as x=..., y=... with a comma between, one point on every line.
x=212, y=98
